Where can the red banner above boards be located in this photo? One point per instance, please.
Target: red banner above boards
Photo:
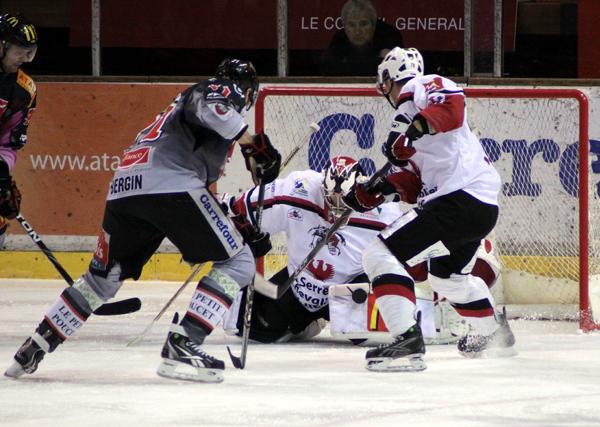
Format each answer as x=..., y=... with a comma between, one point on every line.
x=436, y=25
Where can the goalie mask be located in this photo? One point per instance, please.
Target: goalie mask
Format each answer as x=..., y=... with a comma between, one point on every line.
x=397, y=66
x=340, y=175
x=243, y=74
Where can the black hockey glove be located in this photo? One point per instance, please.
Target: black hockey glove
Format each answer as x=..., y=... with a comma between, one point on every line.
x=10, y=196
x=417, y=128
x=262, y=159
x=259, y=242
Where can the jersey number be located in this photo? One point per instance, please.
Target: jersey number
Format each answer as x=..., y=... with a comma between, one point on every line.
x=154, y=130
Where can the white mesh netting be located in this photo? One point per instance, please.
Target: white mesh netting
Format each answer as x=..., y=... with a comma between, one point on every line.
x=532, y=141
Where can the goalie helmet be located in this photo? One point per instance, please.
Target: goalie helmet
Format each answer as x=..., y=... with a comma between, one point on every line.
x=339, y=176
x=18, y=30
x=399, y=65
x=243, y=74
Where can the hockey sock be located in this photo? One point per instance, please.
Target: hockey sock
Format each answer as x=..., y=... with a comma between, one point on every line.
x=479, y=315
x=64, y=318
x=471, y=298
x=396, y=301
x=207, y=308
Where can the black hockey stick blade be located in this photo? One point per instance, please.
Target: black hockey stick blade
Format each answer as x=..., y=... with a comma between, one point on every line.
x=125, y=306
x=237, y=361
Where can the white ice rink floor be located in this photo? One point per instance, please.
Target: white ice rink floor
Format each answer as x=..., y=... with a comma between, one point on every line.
x=95, y=380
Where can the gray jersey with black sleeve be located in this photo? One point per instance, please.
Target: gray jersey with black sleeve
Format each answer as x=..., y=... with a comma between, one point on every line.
x=186, y=147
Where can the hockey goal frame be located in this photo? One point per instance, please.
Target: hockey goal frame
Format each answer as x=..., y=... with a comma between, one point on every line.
x=585, y=316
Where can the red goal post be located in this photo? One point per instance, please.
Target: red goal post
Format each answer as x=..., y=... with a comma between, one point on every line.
x=535, y=137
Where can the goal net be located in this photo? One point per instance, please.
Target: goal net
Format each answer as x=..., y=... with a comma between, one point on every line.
x=547, y=233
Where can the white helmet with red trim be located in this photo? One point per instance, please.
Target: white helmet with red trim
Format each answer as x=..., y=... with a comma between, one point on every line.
x=339, y=176
x=400, y=64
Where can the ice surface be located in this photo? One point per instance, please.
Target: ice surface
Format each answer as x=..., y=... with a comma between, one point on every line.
x=95, y=380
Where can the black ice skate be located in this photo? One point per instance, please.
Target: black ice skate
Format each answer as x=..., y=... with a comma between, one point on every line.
x=28, y=356
x=404, y=354
x=499, y=344
x=183, y=359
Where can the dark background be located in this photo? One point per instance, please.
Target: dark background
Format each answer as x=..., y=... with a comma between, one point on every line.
x=545, y=46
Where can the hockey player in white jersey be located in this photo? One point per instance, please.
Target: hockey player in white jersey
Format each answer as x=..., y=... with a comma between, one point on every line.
x=161, y=189
x=457, y=207
x=303, y=206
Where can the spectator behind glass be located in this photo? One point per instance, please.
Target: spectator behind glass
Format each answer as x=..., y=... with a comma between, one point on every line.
x=359, y=47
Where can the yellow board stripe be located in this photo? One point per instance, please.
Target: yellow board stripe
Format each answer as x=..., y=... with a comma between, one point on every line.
x=35, y=265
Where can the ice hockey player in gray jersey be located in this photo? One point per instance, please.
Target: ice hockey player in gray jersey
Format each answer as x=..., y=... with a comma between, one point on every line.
x=303, y=205
x=161, y=190
x=457, y=207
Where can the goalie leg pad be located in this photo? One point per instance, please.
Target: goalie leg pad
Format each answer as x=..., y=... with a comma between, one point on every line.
x=360, y=322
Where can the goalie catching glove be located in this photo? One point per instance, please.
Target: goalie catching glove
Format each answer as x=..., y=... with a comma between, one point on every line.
x=262, y=159
x=405, y=183
x=10, y=196
x=259, y=242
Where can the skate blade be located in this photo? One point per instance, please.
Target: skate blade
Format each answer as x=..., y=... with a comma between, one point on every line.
x=182, y=371
x=438, y=340
x=491, y=353
x=14, y=371
x=414, y=363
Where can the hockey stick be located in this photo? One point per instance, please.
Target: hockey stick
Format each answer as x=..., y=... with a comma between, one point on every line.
x=137, y=339
x=313, y=127
x=240, y=362
x=339, y=223
x=109, y=309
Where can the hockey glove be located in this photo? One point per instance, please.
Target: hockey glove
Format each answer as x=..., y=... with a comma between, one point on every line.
x=262, y=159
x=18, y=138
x=405, y=183
x=417, y=128
x=398, y=150
x=362, y=200
x=10, y=198
x=259, y=242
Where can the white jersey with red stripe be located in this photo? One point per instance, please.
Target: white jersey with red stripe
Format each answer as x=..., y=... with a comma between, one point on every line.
x=296, y=206
x=453, y=158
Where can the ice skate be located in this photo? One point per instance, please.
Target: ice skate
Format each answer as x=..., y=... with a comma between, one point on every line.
x=404, y=354
x=28, y=356
x=185, y=360
x=499, y=344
